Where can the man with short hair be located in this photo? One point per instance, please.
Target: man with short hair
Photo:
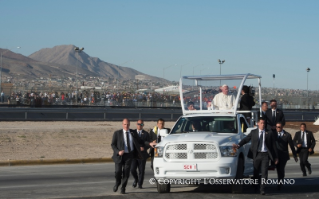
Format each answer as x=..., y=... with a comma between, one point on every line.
x=246, y=101
x=156, y=137
x=263, y=148
x=223, y=100
x=264, y=108
x=283, y=140
x=305, y=143
x=273, y=116
x=140, y=164
x=126, y=147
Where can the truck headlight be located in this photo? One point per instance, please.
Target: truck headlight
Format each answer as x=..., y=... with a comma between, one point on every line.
x=158, y=151
x=228, y=151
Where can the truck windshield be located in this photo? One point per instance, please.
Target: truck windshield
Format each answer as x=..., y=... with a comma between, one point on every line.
x=220, y=124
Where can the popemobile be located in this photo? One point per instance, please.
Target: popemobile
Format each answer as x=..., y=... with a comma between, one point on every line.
x=199, y=146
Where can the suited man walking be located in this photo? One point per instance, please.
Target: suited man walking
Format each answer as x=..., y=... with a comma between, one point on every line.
x=140, y=164
x=305, y=143
x=273, y=116
x=283, y=140
x=126, y=147
x=263, y=148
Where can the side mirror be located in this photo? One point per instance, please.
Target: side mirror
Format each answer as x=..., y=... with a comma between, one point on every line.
x=163, y=132
x=249, y=130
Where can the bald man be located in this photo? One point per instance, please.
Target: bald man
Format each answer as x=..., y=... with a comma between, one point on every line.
x=126, y=147
x=223, y=100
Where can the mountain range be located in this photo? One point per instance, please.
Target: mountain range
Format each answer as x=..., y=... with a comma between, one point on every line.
x=63, y=61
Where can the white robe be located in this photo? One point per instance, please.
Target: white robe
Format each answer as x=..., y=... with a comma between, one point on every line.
x=223, y=102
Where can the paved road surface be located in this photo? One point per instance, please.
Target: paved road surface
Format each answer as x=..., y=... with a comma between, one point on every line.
x=97, y=180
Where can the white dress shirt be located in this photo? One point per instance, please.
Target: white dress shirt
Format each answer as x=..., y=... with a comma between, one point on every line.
x=280, y=134
x=125, y=141
x=304, y=143
x=263, y=147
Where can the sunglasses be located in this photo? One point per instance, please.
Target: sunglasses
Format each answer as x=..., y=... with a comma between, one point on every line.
x=279, y=127
x=140, y=124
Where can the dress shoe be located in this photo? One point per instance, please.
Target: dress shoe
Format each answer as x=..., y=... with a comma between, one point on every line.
x=262, y=193
x=134, y=183
x=115, y=188
x=122, y=190
x=304, y=174
x=309, y=170
x=140, y=187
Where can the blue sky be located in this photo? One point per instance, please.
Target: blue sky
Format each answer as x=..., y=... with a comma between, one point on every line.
x=260, y=37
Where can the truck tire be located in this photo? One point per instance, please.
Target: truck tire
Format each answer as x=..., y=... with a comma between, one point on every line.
x=238, y=188
x=163, y=188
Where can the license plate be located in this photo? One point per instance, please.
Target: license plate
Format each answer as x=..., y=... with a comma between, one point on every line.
x=190, y=167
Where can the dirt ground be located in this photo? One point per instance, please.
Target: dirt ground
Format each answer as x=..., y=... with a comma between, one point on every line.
x=73, y=140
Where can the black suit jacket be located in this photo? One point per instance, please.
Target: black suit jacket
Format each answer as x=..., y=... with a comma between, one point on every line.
x=118, y=145
x=246, y=102
x=280, y=117
x=311, y=142
x=253, y=136
x=282, y=146
x=144, y=141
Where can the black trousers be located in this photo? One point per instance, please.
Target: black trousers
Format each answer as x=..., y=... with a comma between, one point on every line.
x=140, y=165
x=303, y=156
x=261, y=162
x=122, y=169
x=152, y=157
x=280, y=167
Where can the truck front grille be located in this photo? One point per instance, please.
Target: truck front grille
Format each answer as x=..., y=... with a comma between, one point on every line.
x=191, y=151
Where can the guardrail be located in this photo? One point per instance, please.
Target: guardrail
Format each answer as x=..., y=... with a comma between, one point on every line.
x=87, y=114
x=115, y=114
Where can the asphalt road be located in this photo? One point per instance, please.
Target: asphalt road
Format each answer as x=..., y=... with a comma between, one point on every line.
x=97, y=180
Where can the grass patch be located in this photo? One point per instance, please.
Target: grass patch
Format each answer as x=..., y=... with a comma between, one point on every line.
x=22, y=136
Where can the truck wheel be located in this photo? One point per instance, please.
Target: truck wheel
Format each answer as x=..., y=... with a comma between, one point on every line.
x=238, y=188
x=163, y=188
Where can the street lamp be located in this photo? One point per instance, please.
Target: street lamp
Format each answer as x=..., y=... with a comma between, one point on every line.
x=2, y=66
x=78, y=50
x=308, y=70
x=220, y=69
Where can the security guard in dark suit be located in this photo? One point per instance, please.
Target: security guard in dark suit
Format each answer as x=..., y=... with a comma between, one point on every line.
x=263, y=148
x=283, y=140
x=273, y=116
x=126, y=147
x=140, y=164
x=305, y=143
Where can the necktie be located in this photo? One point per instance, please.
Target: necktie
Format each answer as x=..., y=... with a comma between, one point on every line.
x=128, y=142
x=279, y=134
x=261, y=140
x=303, y=138
x=273, y=117
x=140, y=133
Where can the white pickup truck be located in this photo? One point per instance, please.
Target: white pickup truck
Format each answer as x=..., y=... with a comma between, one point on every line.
x=199, y=146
